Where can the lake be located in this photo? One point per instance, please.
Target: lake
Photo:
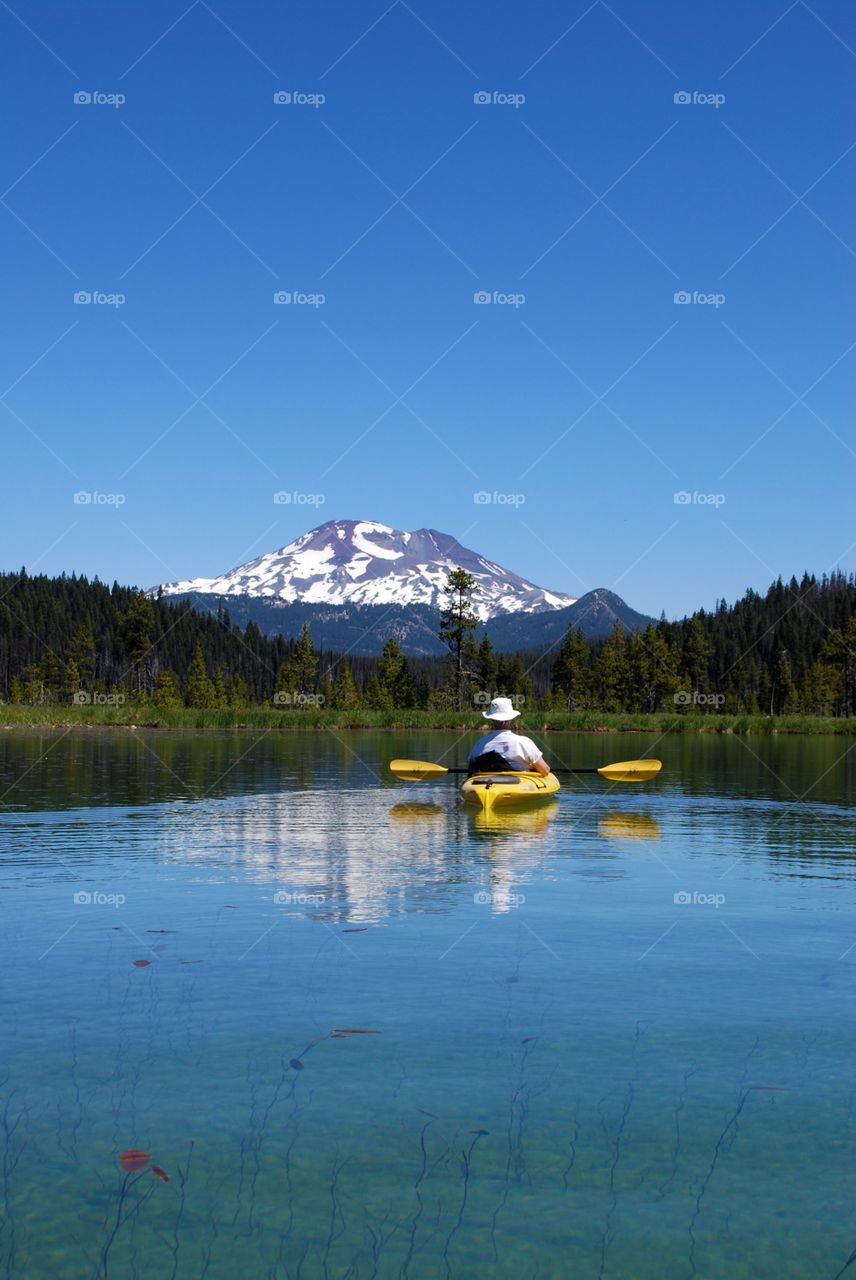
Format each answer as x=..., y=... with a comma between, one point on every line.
x=612, y=1038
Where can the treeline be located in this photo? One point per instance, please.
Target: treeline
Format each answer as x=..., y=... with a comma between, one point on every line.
x=790, y=650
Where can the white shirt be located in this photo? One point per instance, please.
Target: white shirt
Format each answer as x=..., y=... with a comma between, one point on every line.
x=519, y=751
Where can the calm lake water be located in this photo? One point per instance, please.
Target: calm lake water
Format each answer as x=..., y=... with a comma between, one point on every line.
x=614, y=1038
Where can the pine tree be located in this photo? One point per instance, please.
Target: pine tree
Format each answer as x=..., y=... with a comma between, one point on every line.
x=305, y=662
x=457, y=620
x=662, y=671
x=486, y=667
x=569, y=669
x=470, y=666
x=345, y=693
x=239, y=691
x=285, y=688
x=840, y=651
x=81, y=650
x=696, y=655
x=199, y=690
x=612, y=670
x=49, y=676
x=136, y=631
x=395, y=687
x=220, y=699
x=513, y=681
x=71, y=679
x=167, y=693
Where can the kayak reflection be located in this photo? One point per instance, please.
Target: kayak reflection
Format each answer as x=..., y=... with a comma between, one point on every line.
x=628, y=826
x=510, y=821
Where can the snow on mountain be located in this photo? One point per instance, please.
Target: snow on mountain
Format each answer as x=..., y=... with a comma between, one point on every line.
x=363, y=562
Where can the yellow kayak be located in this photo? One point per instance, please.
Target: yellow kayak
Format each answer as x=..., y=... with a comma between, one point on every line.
x=501, y=790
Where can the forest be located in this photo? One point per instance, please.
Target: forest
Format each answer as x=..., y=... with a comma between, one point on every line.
x=790, y=650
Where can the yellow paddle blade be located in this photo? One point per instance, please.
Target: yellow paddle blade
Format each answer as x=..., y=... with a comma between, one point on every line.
x=631, y=770
x=416, y=770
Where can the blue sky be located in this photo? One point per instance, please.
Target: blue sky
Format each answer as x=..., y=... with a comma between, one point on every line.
x=581, y=399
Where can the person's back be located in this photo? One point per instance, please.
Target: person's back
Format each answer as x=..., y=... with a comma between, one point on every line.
x=503, y=748
x=514, y=750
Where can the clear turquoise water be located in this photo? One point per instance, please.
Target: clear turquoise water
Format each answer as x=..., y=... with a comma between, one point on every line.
x=576, y=1076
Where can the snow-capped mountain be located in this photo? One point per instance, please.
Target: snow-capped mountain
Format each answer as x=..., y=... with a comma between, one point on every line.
x=361, y=562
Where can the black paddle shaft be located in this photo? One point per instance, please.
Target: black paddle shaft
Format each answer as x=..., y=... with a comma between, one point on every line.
x=462, y=769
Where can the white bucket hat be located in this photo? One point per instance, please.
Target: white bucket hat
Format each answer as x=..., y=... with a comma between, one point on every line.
x=501, y=709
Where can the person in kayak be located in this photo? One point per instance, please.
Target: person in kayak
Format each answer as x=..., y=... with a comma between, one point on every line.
x=502, y=748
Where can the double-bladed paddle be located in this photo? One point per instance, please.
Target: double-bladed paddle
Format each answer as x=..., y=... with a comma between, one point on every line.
x=623, y=771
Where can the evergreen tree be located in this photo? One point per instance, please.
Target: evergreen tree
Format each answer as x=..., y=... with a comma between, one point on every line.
x=199, y=690
x=136, y=631
x=840, y=651
x=696, y=655
x=219, y=700
x=81, y=651
x=239, y=691
x=457, y=621
x=485, y=664
x=285, y=688
x=395, y=687
x=513, y=681
x=612, y=673
x=49, y=677
x=167, y=693
x=569, y=669
x=304, y=662
x=71, y=679
x=346, y=694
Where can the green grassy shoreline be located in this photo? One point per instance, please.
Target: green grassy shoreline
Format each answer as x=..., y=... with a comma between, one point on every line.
x=254, y=718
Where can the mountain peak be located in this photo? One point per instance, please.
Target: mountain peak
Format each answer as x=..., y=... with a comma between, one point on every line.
x=365, y=562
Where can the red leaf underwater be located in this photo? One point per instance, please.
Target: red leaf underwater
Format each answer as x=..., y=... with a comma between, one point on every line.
x=132, y=1160
x=141, y=964
x=159, y=1173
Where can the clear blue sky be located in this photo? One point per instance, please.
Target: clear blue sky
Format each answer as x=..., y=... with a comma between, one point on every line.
x=399, y=198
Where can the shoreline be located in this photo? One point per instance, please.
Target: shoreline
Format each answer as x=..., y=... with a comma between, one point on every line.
x=544, y=722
